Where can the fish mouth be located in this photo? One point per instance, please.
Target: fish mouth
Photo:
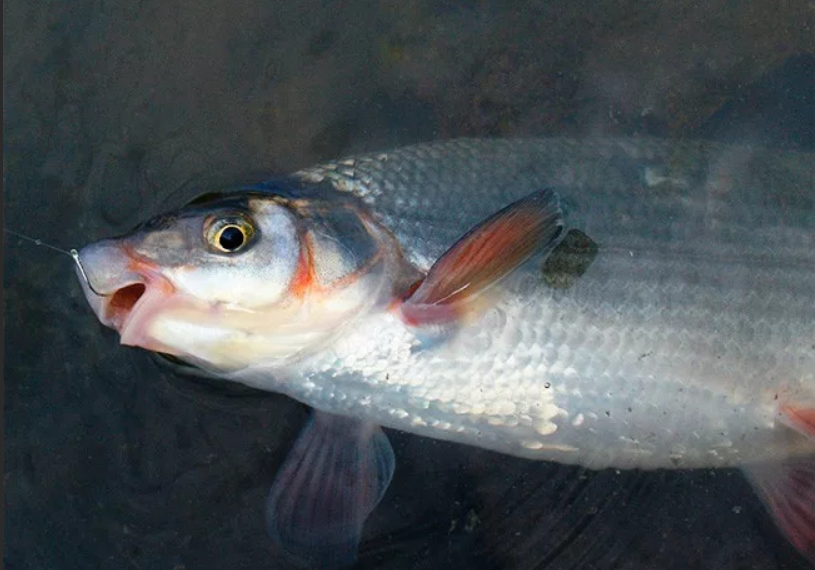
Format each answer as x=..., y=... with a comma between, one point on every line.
x=129, y=310
x=122, y=304
x=125, y=292
x=132, y=308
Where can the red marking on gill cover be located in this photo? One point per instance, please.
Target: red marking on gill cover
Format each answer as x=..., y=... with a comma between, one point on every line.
x=304, y=278
x=148, y=270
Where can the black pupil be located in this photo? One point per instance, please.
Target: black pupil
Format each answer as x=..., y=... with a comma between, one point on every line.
x=231, y=238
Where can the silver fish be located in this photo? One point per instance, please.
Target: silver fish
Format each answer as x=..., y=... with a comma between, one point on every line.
x=608, y=303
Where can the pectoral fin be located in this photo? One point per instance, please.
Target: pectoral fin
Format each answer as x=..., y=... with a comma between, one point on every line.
x=484, y=256
x=330, y=482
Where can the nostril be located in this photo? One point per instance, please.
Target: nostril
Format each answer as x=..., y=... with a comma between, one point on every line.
x=123, y=301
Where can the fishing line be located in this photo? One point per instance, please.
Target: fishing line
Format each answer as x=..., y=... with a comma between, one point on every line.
x=74, y=254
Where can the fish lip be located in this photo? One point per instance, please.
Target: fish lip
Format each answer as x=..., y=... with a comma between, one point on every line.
x=128, y=305
x=132, y=327
x=137, y=303
x=119, y=307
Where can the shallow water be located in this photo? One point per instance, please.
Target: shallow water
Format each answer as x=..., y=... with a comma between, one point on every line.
x=115, y=111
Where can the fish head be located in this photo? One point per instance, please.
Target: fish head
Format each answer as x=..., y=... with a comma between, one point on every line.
x=242, y=279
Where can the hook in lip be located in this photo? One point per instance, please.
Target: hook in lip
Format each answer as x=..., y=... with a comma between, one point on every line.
x=75, y=255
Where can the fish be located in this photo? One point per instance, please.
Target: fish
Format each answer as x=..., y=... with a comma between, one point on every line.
x=610, y=303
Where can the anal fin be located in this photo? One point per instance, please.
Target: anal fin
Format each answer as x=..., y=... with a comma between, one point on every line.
x=787, y=487
x=801, y=419
x=788, y=491
x=334, y=476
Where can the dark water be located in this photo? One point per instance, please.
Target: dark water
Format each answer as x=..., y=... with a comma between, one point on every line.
x=116, y=110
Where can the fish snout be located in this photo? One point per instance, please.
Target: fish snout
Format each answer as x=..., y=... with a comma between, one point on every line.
x=111, y=281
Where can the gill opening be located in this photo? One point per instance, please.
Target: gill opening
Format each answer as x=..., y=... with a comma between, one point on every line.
x=73, y=253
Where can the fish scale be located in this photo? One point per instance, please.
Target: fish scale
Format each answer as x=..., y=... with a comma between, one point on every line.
x=599, y=373
x=419, y=188
x=698, y=309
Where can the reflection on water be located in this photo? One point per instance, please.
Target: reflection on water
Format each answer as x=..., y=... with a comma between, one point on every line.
x=113, y=111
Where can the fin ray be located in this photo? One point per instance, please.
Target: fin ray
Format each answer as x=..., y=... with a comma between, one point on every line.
x=787, y=490
x=800, y=419
x=334, y=476
x=484, y=256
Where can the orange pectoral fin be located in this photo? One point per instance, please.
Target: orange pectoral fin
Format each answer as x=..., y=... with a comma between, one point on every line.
x=484, y=256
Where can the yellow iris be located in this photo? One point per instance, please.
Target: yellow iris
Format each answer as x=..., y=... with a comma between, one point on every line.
x=229, y=234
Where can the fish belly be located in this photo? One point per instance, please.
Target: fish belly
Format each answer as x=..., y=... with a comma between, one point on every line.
x=567, y=376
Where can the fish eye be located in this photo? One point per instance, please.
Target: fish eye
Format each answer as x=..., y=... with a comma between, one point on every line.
x=229, y=234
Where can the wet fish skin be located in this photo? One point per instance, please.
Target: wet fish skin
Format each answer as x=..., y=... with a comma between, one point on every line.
x=675, y=347
x=686, y=340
